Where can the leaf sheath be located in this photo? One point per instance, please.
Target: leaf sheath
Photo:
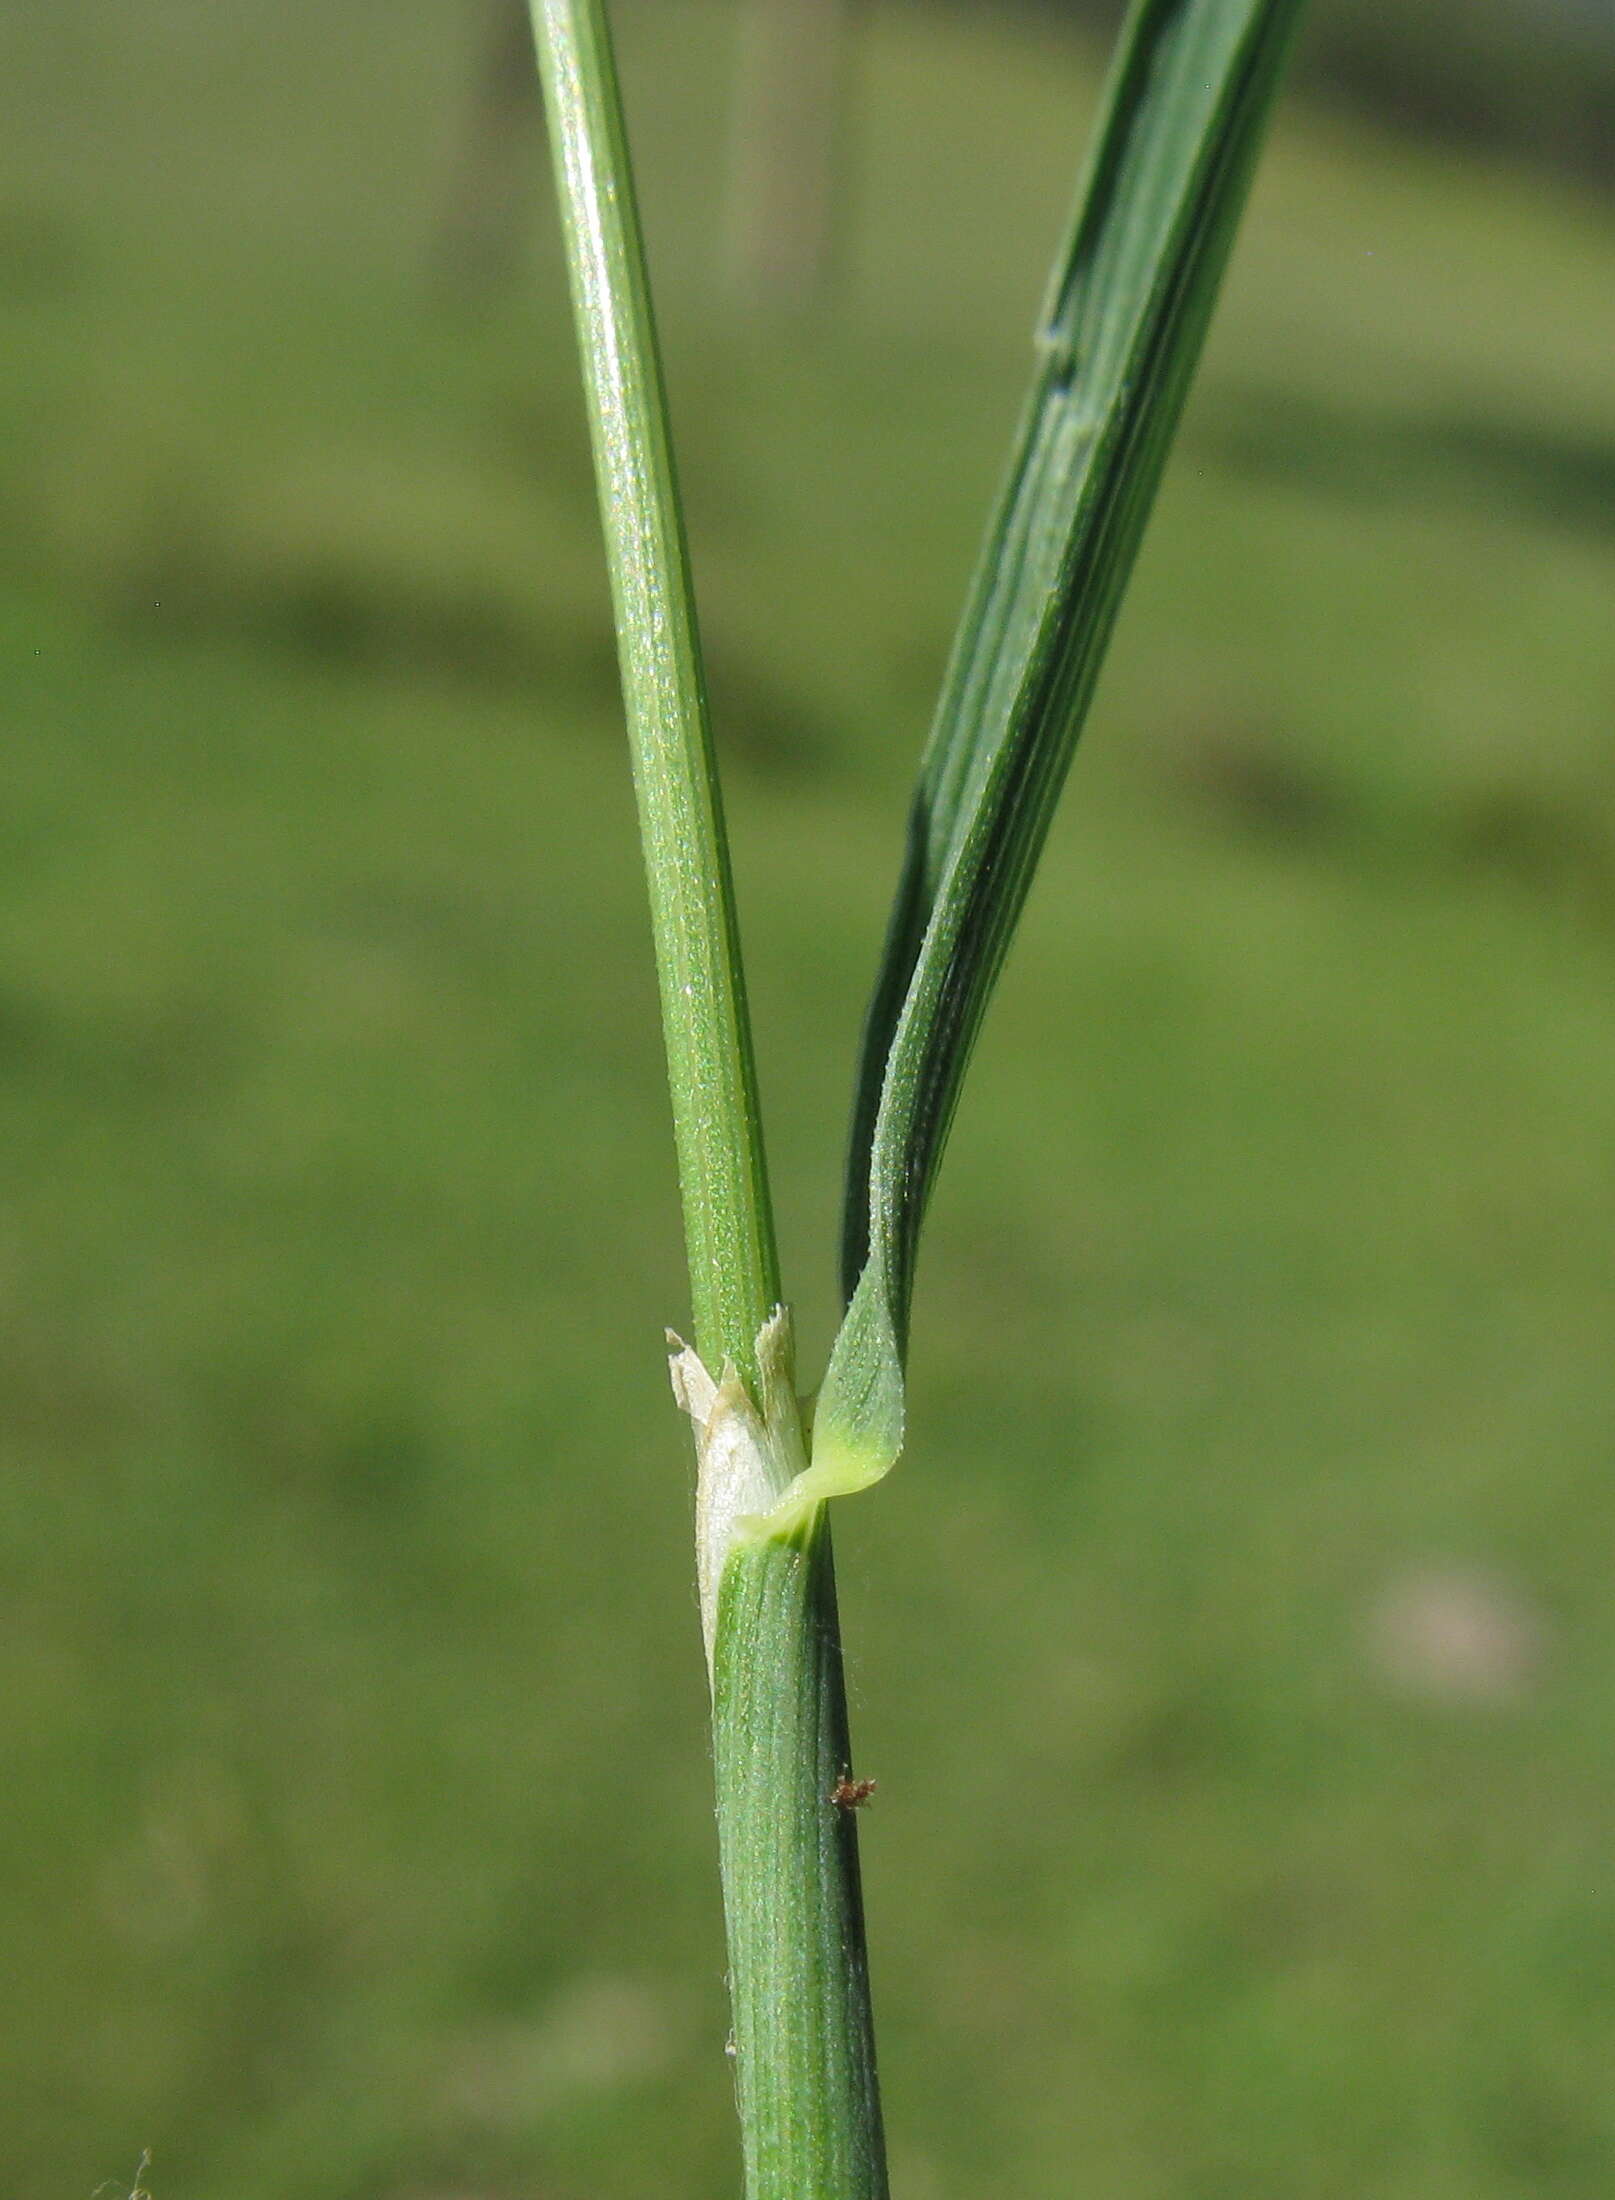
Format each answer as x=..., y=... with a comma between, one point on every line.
x=804, y=2048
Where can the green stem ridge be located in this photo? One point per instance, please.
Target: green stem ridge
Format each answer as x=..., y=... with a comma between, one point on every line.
x=723, y=1180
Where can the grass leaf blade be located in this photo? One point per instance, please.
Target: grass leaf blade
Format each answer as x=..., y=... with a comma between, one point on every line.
x=1126, y=314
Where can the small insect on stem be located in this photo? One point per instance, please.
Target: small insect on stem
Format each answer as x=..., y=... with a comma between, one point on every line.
x=851, y=1794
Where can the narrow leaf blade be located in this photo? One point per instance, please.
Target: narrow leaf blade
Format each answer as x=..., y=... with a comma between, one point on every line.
x=1127, y=310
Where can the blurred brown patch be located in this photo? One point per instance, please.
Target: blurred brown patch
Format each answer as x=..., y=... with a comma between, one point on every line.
x=1452, y=1636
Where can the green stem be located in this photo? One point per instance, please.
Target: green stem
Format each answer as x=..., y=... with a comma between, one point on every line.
x=804, y=2053
x=804, y=2046
x=723, y=1181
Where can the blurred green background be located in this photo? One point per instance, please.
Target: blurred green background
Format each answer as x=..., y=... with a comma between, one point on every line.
x=1235, y=1648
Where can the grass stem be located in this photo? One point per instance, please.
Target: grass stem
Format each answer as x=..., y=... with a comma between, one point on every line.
x=803, y=2040
x=723, y=1178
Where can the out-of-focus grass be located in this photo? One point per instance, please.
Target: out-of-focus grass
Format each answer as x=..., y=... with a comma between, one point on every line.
x=357, y=1836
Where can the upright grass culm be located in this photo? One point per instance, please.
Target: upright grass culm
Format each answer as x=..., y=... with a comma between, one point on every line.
x=803, y=2042
x=1128, y=305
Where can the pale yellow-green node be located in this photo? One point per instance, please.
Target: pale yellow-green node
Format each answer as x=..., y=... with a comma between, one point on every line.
x=755, y=1482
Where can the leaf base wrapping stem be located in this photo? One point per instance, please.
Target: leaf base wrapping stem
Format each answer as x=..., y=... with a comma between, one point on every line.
x=803, y=2041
